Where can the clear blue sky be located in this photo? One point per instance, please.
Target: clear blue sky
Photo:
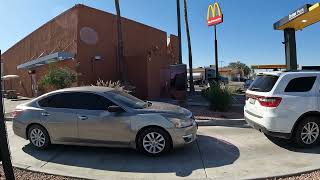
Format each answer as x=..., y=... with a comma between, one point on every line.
x=246, y=35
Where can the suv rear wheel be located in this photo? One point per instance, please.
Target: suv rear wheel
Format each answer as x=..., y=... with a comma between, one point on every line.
x=308, y=132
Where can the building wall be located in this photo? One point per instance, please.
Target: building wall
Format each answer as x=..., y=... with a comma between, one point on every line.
x=88, y=32
x=139, y=41
x=96, y=37
x=56, y=35
x=138, y=77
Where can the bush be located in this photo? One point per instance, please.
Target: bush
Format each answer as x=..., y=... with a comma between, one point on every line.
x=219, y=98
x=58, y=78
x=110, y=84
x=116, y=85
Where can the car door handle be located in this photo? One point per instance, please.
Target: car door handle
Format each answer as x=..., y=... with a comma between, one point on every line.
x=45, y=114
x=83, y=117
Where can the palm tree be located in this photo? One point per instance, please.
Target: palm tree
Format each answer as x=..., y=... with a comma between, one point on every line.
x=120, y=56
x=189, y=46
x=179, y=31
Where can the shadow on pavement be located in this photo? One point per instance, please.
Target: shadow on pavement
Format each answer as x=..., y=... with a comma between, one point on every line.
x=206, y=152
x=289, y=145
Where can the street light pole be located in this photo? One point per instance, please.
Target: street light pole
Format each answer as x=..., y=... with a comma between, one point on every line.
x=4, y=148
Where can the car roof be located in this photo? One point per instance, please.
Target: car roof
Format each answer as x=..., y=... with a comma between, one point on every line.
x=85, y=89
x=279, y=73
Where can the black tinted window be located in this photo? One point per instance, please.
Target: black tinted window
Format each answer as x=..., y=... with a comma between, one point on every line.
x=77, y=100
x=45, y=102
x=264, y=83
x=56, y=101
x=301, y=84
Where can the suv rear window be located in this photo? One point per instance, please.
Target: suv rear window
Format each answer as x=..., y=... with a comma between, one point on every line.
x=301, y=84
x=264, y=83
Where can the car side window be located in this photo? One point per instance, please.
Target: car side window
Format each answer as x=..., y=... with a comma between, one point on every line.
x=77, y=100
x=45, y=102
x=90, y=101
x=63, y=100
x=301, y=84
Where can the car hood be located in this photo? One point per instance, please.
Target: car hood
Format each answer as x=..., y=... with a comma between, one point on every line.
x=166, y=108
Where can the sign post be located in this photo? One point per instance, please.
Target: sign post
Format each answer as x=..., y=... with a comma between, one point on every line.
x=4, y=148
x=213, y=20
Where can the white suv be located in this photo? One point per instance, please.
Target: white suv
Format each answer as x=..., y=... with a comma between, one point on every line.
x=285, y=105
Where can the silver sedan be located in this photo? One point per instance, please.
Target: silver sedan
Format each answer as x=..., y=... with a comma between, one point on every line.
x=100, y=116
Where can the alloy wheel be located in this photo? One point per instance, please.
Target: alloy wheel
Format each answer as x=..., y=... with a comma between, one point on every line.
x=37, y=137
x=154, y=143
x=310, y=133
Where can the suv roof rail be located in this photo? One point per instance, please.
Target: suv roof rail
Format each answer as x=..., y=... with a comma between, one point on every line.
x=303, y=70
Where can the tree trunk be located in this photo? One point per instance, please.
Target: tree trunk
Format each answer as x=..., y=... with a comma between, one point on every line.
x=189, y=46
x=120, y=56
x=179, y=31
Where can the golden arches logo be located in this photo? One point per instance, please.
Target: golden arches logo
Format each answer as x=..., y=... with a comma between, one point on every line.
x=214, y=19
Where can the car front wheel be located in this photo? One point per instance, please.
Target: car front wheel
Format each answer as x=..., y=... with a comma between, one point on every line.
x=307, y=132
x=154, y=142
x=38, y=137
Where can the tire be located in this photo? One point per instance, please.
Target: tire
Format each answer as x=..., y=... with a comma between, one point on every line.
x=161, y=143
x=38, y=137
x=304, y=138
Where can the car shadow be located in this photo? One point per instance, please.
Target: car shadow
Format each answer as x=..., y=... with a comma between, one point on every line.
x=289, y=145
x=206, y=152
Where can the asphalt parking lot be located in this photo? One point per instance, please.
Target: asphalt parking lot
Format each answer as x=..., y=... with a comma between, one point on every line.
x=219, y=153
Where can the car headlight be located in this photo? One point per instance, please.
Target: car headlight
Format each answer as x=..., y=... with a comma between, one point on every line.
x=181, y=123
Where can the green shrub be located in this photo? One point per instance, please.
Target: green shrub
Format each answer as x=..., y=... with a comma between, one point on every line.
x=219, y=98
x=58, y=78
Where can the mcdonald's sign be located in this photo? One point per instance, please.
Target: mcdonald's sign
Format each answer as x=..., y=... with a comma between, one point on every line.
x=212, y=17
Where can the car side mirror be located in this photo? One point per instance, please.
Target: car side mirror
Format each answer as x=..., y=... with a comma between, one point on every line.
x=114, y=109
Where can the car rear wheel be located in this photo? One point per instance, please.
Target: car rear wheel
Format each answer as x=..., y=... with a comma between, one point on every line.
x=38, y=137
x=308, y=132
x=154, y=142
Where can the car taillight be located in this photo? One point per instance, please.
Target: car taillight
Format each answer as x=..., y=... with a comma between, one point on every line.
x=269, y=101
x=16, y=113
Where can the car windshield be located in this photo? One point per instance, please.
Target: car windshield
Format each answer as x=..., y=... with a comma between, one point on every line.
x=128, y=100
x=264, y=83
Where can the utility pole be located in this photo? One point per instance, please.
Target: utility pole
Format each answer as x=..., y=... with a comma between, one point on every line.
x=4, y=148
x=179, y=31
x=221, y=63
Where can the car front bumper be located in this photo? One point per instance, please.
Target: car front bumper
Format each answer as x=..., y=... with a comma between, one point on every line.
x=183, y=136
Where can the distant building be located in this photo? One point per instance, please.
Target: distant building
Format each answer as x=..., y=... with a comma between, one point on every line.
x=85, y=40
x=232, y=74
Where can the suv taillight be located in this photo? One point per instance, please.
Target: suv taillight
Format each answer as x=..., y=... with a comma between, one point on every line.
x=269, y=101
x=16, y=113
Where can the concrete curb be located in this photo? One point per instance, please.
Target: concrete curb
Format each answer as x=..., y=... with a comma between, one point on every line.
x=222, y=122
x=48, y=172
x=298, y=172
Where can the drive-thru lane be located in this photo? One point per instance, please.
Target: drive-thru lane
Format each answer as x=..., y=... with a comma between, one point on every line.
x=220, y=152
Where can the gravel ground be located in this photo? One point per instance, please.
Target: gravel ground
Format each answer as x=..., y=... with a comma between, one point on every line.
x=307, y=176
x=28, y=175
